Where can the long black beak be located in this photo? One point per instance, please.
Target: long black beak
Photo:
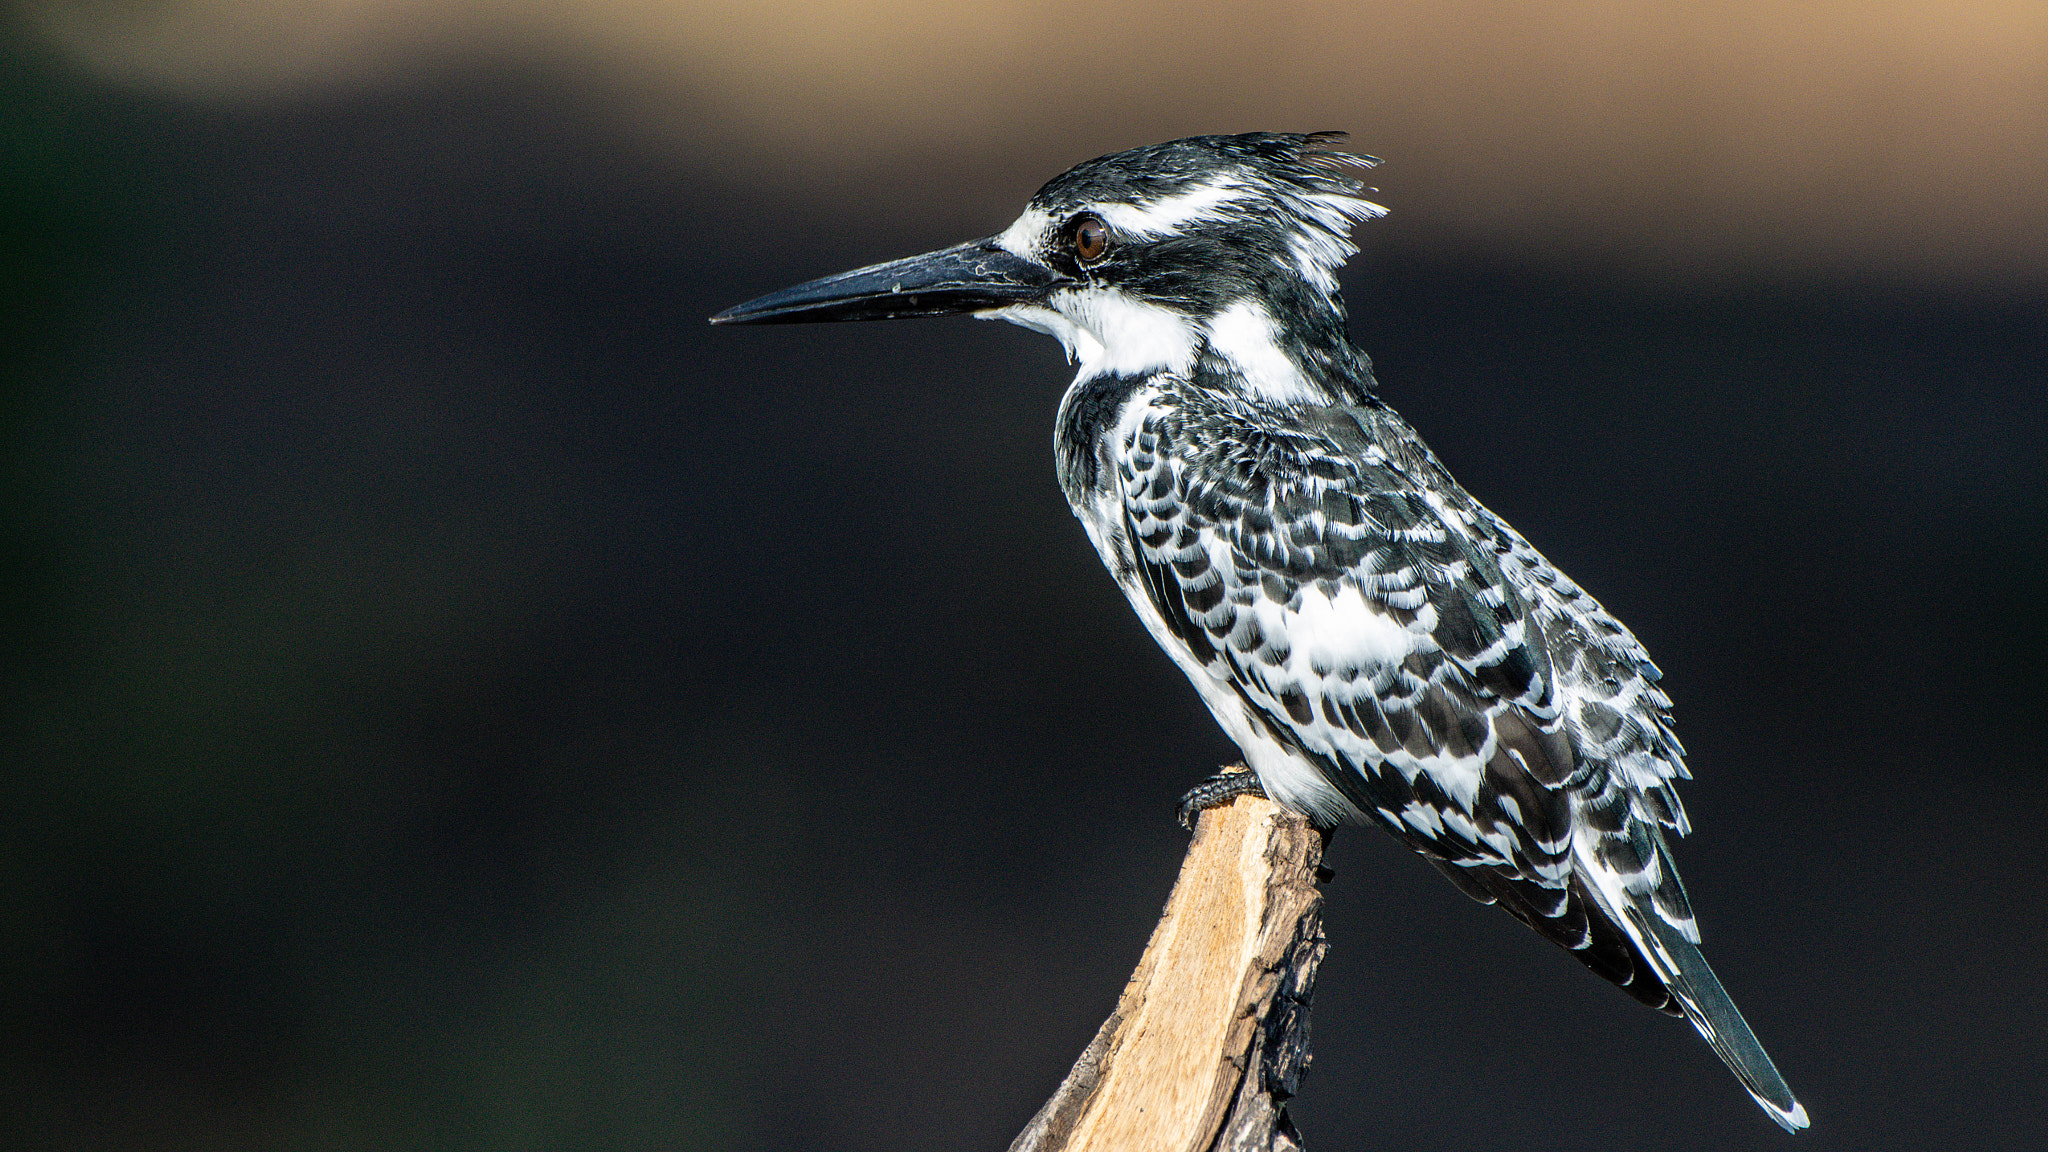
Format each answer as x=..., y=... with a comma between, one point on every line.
x=964, y=278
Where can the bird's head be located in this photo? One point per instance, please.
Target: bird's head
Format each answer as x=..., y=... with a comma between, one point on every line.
x=1218, y=250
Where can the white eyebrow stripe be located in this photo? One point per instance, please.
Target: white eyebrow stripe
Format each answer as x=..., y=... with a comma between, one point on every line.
x=1168, y=213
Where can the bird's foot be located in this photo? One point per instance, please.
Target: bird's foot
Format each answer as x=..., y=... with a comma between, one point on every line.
x=1235, y=780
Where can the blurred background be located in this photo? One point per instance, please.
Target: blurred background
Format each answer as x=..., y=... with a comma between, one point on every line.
x=456, y=699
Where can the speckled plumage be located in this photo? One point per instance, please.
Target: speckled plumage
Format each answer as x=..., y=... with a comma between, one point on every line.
x=1382, y=647
x=1492, y=700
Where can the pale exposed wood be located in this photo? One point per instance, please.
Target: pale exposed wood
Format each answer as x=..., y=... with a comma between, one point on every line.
x=1222, y=989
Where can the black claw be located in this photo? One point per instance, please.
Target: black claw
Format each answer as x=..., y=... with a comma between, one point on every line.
x=1218, y=790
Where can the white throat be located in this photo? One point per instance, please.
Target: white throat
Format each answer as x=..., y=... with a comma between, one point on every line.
x=1109, y=333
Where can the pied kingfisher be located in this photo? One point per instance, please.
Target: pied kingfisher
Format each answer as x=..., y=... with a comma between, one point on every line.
x=1383, y=648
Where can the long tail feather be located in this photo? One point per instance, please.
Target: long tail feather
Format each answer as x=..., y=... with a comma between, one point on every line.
x=1685, y=972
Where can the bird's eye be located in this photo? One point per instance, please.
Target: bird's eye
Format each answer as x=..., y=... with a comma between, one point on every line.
x=1091, y=238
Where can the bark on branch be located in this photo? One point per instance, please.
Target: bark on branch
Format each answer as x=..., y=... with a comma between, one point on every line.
x=1211, y=1037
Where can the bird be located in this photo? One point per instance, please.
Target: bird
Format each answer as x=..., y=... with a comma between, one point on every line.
x=1382, y=647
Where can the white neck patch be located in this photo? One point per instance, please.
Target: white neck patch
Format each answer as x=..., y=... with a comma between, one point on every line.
x=1245, y=335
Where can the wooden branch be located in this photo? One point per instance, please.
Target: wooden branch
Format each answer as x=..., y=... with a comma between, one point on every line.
x=1210, y=1038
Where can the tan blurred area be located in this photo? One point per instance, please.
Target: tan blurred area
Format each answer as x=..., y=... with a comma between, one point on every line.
x=1885, y=140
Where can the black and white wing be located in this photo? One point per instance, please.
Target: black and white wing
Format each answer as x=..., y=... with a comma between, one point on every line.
x=1329, y=581
x=1302, y=565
